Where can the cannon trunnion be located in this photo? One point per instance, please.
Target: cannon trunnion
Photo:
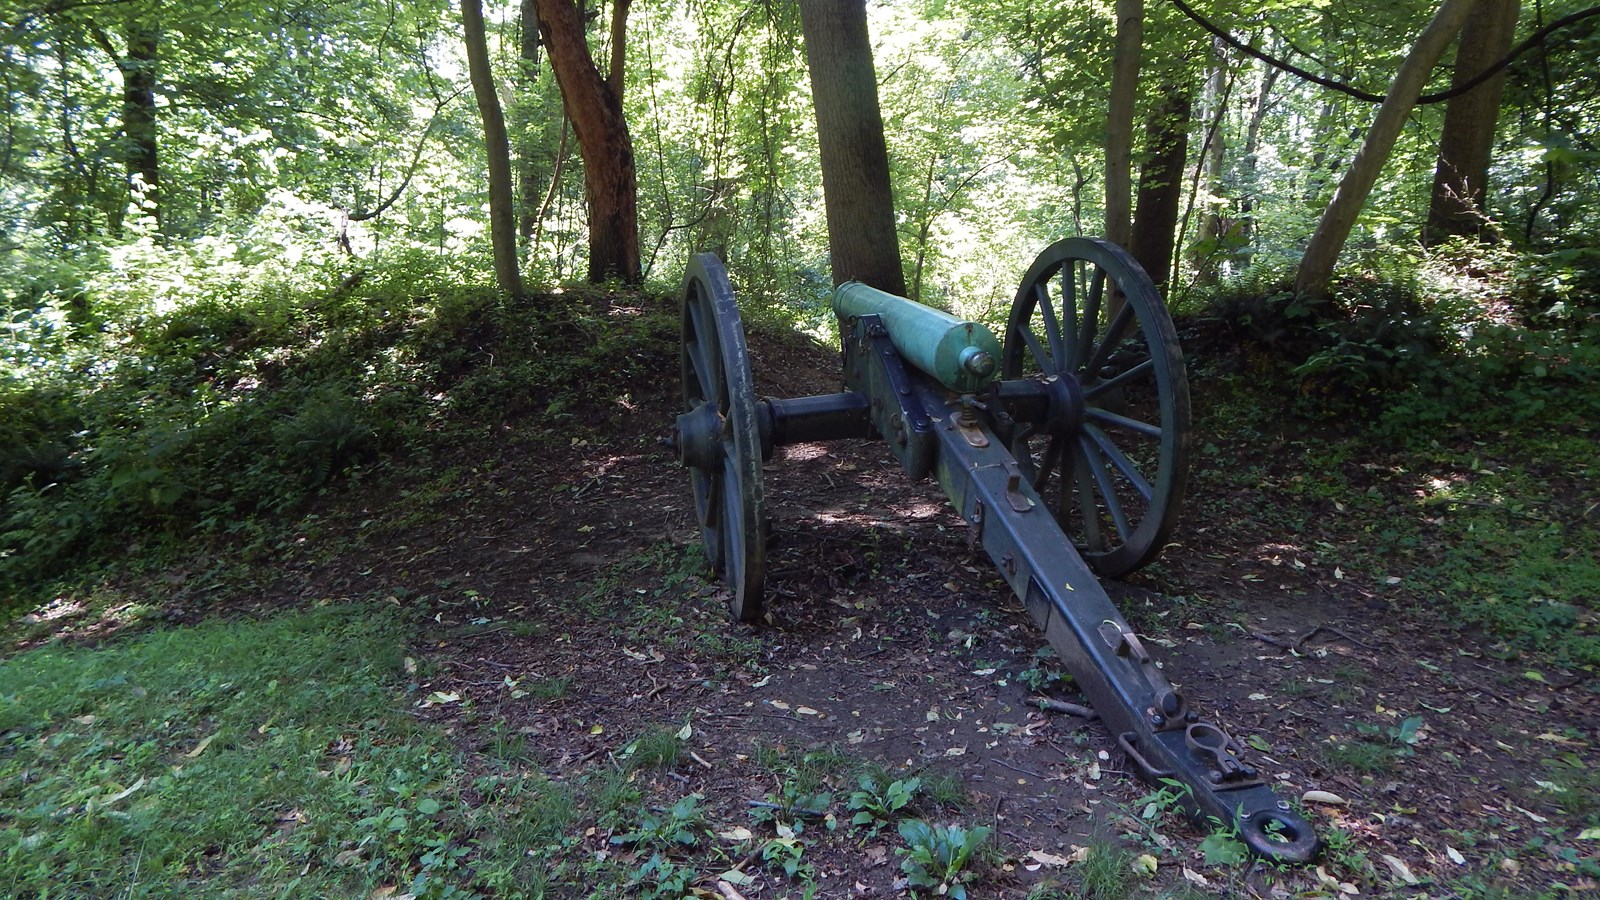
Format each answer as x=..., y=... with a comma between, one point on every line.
x=1064, y=449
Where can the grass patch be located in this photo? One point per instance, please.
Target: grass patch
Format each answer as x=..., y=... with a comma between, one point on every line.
x=259, y=758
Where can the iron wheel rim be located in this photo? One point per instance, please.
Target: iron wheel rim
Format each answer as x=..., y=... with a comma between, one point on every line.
x=729, y=502
x=1114, y=475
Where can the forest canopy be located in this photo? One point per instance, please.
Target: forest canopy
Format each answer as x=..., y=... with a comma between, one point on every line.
x=298, y=131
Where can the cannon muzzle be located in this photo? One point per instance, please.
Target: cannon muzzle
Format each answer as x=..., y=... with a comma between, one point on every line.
x=962, y=356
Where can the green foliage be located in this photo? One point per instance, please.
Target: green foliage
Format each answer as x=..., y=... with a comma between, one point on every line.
x=879, y=800
x=243, y=391
x=679, y=826
x=1223, y=848
x=1413, y=349
x=935, y=856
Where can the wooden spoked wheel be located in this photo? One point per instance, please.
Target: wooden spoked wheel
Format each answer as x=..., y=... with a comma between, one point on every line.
x=1112, y=461
x=719, y=438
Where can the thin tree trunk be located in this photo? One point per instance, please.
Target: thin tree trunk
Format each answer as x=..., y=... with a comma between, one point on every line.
x=1161, y=185
x=1204, y=253
x=528, y=170
x=610, y=182
x=502, y=203
x=1466, y=141
x=1322, y=252
x=619, y=46
x=1252, y=161
x=855, y=161
x=1119, y=121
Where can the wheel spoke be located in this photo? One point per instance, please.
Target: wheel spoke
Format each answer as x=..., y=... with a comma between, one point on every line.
x=1120, y=460
x=1046, y=362
x=711, y=519
x=1089, y=322
x=1065, y=473
x=1051, y=454
x=1108, y=490
x=708, y=362
x=1112, y=336
x=1092, y=539
x=1052, y=324
x=702, y=373
x=1134, y=374
x=1111, y=418
x=1069, y=310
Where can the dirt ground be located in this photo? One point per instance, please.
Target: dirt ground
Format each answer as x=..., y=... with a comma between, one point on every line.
x=890, y=640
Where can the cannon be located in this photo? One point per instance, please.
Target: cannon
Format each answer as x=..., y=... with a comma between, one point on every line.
x=1063, y=448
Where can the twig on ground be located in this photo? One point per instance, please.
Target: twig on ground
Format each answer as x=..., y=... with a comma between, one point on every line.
x=699, y=759
x=728, y=891
x=1050, y=704
x=1336, y=633
x=1018, y=770
x=1275, y=641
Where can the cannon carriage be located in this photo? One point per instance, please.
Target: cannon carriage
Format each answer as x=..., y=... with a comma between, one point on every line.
x=1064, y=448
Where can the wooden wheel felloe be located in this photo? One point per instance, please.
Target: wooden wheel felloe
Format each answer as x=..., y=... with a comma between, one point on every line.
x=1112, y=461
x=718, y=435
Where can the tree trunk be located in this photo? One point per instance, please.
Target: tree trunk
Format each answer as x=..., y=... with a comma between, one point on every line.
x=529, y=174
x=1205, y=254
x=610, y=182
x=1467, y=139
x=139, y=117
x=1155, y=223
x=1322, y=252
x=855, y=161
x=137, y=66
x=1119, y=121
x=502, y=202
x=1251, y=181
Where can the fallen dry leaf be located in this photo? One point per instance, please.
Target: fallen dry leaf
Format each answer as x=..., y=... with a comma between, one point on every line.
x=1324, y=797
x=201, y=747
x=1400, y=869
x=1049, y=859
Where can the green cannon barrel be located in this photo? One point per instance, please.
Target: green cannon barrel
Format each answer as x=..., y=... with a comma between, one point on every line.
x=962, y=356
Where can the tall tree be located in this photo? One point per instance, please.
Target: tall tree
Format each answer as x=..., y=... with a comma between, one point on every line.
x=855, y=160
x=1322, y=252
x=1467, y=138
x=502, y=201
x=136, y=63
x=1161, y=184
x=594, y=106
x=528, y=186
x=1119, y=120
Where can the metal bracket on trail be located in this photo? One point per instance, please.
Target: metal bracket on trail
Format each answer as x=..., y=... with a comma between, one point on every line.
x=1065, y=450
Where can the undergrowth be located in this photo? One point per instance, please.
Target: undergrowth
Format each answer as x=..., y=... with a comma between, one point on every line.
x=1451, y=423
x=163, y=413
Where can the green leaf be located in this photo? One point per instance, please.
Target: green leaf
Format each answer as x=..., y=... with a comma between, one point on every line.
x=1221, y=849
x=427, y=806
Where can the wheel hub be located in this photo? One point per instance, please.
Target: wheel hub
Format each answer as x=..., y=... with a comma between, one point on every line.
x=700, y=434
x=1065, y=415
